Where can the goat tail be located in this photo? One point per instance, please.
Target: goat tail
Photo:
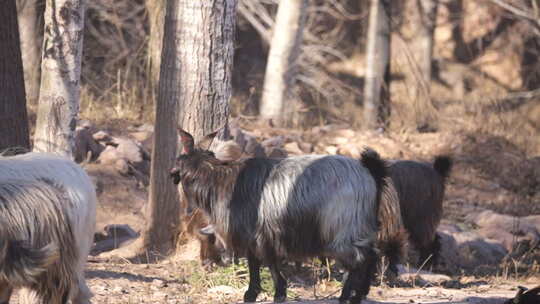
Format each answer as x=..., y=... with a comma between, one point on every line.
x=25, y=264
x=392, y=237
x=443, y=165
x=376, y=167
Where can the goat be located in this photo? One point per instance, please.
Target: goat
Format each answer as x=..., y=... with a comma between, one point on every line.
x=194, y=224
x=420, y=189
x=292, y=208
x=47, y=215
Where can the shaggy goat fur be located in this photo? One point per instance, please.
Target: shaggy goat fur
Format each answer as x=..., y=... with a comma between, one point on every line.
x=49, y=179
x=420, y=188
x=192, y=222
x=38, y=239
x=292, y=208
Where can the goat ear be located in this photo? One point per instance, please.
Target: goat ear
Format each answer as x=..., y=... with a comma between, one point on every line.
x=207, y=140
x=187, y=141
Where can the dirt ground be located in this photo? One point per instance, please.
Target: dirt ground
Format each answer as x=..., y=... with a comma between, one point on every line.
x=477, y=182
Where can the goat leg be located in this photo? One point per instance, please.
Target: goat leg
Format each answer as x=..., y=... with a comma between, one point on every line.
x=254, y=265
x=280, y=284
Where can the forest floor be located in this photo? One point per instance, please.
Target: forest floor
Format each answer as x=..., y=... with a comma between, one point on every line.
x=479, y=181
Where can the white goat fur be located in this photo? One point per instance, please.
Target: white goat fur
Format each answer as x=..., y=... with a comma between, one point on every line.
x=81, y=192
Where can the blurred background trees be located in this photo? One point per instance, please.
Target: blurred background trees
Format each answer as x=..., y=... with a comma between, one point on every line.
x=452, y=64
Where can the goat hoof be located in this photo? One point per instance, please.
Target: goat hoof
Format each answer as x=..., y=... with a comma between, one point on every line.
x=357, y=299
x=250, y=296
x=280, y=299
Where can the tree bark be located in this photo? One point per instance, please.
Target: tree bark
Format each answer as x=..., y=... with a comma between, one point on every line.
x=206, y=33
x=196, y=63
x=419, y=80
x=281, y=68
x=30, y=14
x=156, y=16
x=60, y=77
x=428, y=17
x=13, y=116
x=377, y=77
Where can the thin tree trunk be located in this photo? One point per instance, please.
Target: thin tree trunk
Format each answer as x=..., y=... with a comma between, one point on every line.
x=13, y=116
x=428, y=17
x=30, y=14
x=196, y=64
x=206, y=33
x=60, y=77
x=377, y=77
x=281, y=68
x=163, y=218
x=156, y=16
x=421, y=88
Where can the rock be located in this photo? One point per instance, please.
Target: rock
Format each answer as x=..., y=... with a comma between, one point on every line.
x=345, y=133
x=276, y=153
x=469, y=249
x=113, y=237
x=331, y=150
x=421, y=277
x=141, y=135
x=293, y=148
x=109, y=156
x=276, y=141
x=222, y=289
x=102, y=136
x=120, y=230
x=121, y=165
x=129, y=149
x=449, y=228
x=338, y=141
x=522, y=228
x=306, y=147
x=146, y=127
x=158, y=284
x=350, y=150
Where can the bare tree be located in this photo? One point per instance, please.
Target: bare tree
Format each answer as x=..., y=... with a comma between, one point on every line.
x=156, y=16
x=428, y=17
x=199, y=44
x=30, y=15
x=282, y=61
x=377, y=77
x=60, y=76
x=419, y=80
x=13, y=116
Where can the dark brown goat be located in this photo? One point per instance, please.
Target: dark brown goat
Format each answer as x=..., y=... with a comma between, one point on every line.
x=420, y=187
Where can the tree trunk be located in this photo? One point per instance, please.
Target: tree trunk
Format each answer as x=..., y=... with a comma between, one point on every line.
x=377, y=77
x=13, y=116
x=420, y=83
x=206, y=33
x=156, y=16
x=60, y=77
x=428, y=18
x=196, y=63
x=30, y=28
x=281, y=68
